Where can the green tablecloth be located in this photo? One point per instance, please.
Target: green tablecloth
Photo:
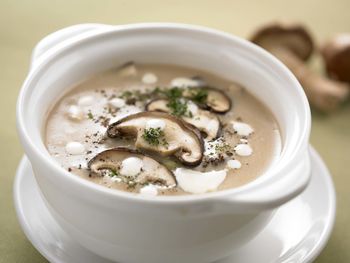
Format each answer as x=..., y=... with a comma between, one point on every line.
x=23, y=23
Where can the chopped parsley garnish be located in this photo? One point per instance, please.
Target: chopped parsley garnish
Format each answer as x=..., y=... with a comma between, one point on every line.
x=222, y=147
x=126, y=94
x=113, y=173
x=199, y=95
x=178, y=107
x=174, y=93
x=110, y=173
x=157, y=91
x=141, y=96
x=154, y=136
x=177, y=104
x=132, y=96
x=90, y=116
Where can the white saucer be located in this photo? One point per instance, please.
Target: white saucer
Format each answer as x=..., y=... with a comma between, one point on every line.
x=297, y=233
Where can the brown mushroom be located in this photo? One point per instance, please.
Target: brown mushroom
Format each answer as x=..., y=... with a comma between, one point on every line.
x=293, y=45
x=293, y=37
x=151, y=172
x=336, y=54
x=205, y=121
x=178, y=138
x=216, y=100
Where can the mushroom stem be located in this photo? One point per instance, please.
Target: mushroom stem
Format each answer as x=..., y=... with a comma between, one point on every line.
x=323, y=93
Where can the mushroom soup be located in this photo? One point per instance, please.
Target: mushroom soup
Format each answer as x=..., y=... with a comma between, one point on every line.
x=162, y=130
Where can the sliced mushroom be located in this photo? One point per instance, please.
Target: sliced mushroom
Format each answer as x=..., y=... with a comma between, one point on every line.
x=183, y=141
x=216, y=100
x=205, y=121
x=151, y=172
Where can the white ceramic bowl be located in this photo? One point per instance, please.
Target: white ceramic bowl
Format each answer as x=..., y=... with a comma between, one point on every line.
x=193, y=228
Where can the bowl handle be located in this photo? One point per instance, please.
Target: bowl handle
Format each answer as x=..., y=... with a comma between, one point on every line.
x=60, y=36
x=293, y=180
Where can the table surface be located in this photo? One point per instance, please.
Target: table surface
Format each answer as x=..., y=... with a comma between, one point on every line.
x=24, y=23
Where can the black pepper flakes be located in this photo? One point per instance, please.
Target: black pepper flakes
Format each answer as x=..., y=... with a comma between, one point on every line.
x=105, y=122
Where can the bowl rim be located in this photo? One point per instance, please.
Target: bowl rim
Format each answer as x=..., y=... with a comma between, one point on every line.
x=61, y=48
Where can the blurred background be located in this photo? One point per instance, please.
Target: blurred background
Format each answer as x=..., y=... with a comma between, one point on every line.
x=24, y=23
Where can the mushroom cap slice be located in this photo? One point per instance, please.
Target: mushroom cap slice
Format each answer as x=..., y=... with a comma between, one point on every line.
x=205, y=121
x=336, y=54
x=152, y=171
x=216, y=101
x=184, y=141
x=158, y=105
x=293, y=37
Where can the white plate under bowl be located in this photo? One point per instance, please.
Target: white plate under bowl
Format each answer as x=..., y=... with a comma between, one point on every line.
x=297, y=233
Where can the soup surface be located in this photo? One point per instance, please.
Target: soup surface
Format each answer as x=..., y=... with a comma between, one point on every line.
x=162, y=130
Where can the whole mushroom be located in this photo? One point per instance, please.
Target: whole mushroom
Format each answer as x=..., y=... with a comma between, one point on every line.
x=293, y=45
x=336, y=55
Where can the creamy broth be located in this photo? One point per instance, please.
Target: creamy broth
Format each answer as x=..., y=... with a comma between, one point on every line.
x=76, y=127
